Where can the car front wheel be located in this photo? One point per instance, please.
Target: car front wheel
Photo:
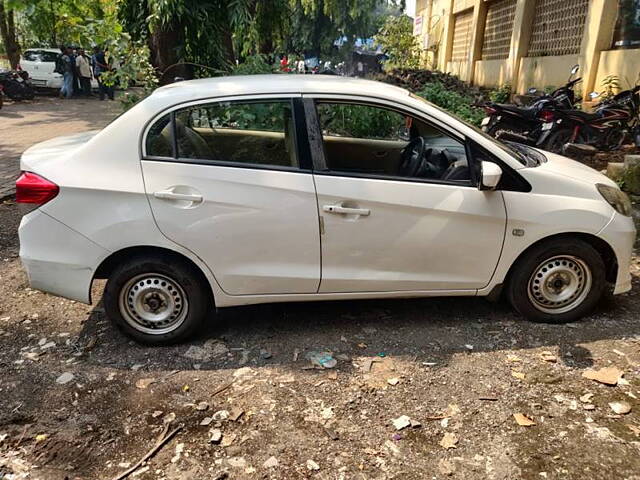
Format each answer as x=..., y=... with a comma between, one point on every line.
x=557, y=281
x=156, y=300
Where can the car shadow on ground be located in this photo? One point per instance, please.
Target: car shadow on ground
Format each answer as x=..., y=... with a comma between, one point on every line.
x=426, y=330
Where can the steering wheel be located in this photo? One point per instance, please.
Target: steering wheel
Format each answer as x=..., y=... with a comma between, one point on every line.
x=412, y=157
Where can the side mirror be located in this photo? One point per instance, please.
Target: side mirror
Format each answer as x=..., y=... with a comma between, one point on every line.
x=575, y=69
x=490, y=176
x=593, y=95
x=532, y=91
x=404, y=133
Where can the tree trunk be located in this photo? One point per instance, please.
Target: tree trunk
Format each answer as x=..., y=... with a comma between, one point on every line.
x=8, y=34
x=227, y=46
x=167, y=52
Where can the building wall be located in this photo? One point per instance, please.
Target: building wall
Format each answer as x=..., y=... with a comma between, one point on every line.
x=528, y=43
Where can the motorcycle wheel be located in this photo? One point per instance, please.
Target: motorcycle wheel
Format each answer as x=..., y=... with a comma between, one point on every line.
x=559, y=138
x=614, y=139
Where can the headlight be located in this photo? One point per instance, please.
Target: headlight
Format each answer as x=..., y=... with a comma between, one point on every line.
x=616, y=198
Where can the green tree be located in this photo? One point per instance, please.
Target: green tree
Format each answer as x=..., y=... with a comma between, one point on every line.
x=218, y=33
x=8, y=33
x=398, y=42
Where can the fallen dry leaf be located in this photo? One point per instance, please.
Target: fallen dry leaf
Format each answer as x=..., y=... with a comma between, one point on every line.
x=449, y=440
x=513, y=358
x=621, y=408
x=452, y=410
x=145, y=382
x=607, y=375
x=518, y=375
x=401, y=422
x=393, y=381
x=523, y=420
x=634, y=429
x=586, y=398
x=548, y=357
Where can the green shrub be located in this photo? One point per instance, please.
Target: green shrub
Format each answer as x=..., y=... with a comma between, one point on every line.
x=454, y=102
x=254, y=65
x=630, y=180
x=501, y=94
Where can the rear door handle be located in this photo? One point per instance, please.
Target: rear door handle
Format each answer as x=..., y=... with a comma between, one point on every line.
x=364, y=212
x=171, y=195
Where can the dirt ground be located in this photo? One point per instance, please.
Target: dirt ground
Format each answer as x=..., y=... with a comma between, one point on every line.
x=78, y=400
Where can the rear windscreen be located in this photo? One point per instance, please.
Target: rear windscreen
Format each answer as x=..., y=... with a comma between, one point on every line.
x=40, y=56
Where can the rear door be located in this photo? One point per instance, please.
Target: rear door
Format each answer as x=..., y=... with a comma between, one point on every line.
x=249, y=212
x=387, y=228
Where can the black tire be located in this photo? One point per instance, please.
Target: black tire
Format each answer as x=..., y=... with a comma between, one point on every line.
x=151, y=276
x=532, y=299
x=559, y=138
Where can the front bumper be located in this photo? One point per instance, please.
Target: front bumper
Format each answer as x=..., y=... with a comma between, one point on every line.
x=620, y=234
x=57, y=259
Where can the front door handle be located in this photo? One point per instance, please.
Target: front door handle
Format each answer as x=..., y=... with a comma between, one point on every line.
x=171, y=195
x=364, y=212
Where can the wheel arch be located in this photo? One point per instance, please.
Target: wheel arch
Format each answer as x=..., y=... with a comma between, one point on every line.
x=603, y=248
x=107, y=266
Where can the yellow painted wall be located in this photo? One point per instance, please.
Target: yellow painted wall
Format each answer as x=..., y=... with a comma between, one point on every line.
x=623, y=63
x=460, y=5
x=492, y=73
x=541, y=72
x=460, y=69
x=524, y=72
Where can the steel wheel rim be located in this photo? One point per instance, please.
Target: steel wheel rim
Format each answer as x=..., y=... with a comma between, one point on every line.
x=559, y=284
x=153, y=303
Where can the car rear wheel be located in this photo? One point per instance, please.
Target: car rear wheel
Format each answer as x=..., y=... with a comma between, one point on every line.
x=557, y=281
x=156, y=302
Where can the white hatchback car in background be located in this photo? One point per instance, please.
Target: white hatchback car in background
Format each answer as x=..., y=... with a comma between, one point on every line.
x=40, y=64
x=280, y=188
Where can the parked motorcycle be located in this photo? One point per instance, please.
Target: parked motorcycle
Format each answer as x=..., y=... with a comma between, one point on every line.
x=610, y=125
x=16, y=85
x=525, y=122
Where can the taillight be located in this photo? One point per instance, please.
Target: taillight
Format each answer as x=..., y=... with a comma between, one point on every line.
x=32, y=188
x=546, y=116
x=489, y=110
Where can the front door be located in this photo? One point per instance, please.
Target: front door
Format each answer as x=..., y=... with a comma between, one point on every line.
x=231, y=190
x=401, y=219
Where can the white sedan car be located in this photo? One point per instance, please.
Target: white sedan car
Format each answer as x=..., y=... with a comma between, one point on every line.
x=40, y=64
x=243, y=190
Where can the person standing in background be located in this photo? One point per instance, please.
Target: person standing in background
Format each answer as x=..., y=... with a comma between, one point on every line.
x=76, y=79
x=64, y=66
x=100, y=66
x=83, y=68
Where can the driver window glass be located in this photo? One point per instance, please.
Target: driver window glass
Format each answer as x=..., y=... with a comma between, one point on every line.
x=382, y=142
x=259, y=133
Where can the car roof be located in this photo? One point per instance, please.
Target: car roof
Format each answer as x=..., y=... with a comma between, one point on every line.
x=43, y=49
x=187, y=90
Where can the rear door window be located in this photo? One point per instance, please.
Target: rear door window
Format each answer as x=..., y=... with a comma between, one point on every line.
x=259, y=133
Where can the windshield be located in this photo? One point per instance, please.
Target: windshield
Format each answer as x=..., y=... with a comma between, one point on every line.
x=527, y=156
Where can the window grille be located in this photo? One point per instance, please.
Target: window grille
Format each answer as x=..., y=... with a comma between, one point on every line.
x=498, y=29
x=462, y=23
x=558, y=26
